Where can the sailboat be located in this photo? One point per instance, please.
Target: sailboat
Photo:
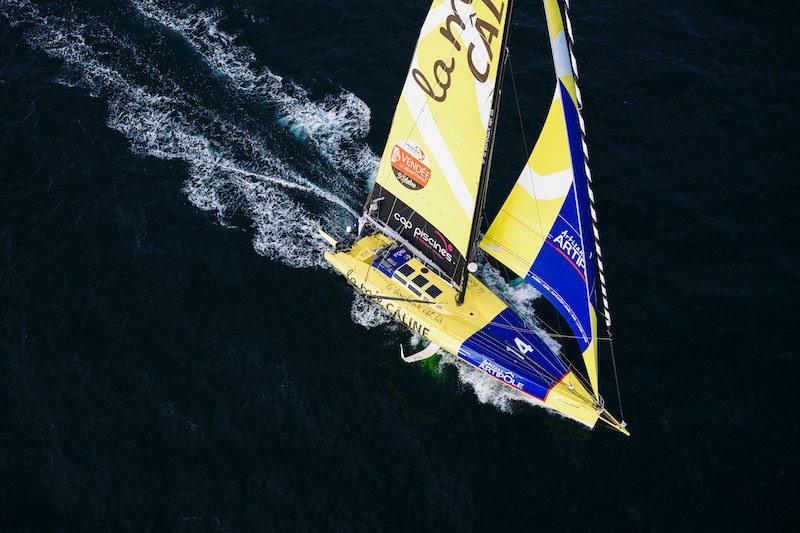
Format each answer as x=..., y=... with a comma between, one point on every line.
x=419, y=241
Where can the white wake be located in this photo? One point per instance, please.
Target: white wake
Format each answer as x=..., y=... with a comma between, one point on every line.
x=232, y=169
x=336, y=125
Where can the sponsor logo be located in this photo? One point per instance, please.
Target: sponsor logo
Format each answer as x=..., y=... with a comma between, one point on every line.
x=571, y=248
x=493, y=369
x=409, y=165
x=407, y=224
x=464, y=31
x=439, y=244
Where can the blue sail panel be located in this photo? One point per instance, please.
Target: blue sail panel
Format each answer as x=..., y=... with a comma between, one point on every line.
x=564, y=269
x=508, y=351
x=581, y=188
x=559, y=275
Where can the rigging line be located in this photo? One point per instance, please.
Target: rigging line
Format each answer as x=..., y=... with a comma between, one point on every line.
x=559, y=357
x=398, y=298
x=490, y=345
x=553, y=331
x=519, y=112
x=534, y=332
x=545, y=377
x=544, y=356
x=506, y=272
x=496, y=343
x=531, y=366
x=527, y=154
x=534, y=367
x=488, y=150
x=557, y=331
x=492, y=342
x=502, y=347
x=616, y=376
x=497, y=350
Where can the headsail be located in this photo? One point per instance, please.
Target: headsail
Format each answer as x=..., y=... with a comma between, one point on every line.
x=428, y=181
x=545, y=231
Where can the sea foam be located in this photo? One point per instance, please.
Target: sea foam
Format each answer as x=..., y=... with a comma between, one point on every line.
x=232, y=168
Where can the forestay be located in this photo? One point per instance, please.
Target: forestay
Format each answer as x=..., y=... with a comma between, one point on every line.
x=544, y=231
x=428, y=179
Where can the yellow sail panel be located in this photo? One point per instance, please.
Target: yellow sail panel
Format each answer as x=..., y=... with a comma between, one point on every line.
x=428, y=180
x=519, y=230
x=552, y=13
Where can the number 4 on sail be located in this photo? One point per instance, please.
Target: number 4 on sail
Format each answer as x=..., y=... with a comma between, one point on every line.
x=419, y=234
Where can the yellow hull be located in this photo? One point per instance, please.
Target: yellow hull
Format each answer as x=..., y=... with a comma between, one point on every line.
x=449, y=325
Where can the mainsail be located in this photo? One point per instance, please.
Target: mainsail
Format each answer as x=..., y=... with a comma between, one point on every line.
x=545, y=231
x=428, y=185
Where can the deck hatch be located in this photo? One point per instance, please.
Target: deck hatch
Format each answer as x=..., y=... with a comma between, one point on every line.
x=406, y=270
x=420, y=280
x=434, y=291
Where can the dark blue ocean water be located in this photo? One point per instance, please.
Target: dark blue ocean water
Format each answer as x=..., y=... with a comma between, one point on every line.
x=173, y=356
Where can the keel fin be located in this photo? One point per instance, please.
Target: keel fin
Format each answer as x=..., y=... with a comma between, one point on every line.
x=429, y=351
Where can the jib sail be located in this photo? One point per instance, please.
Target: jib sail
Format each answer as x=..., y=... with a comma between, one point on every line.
x=545, y=231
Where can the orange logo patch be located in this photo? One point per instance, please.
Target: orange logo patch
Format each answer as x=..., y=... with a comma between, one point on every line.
x=408, y=166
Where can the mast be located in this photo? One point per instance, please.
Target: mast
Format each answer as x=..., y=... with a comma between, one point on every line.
x=483, y=184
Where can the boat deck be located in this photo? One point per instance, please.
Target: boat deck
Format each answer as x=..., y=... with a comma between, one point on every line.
x=483, y=331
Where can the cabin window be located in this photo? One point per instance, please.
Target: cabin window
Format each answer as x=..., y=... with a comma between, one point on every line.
x=406, y=270
x=420, y=280
x=434, y=291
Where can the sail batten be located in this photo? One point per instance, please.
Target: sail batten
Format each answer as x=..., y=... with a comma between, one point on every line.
x=428, y=186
